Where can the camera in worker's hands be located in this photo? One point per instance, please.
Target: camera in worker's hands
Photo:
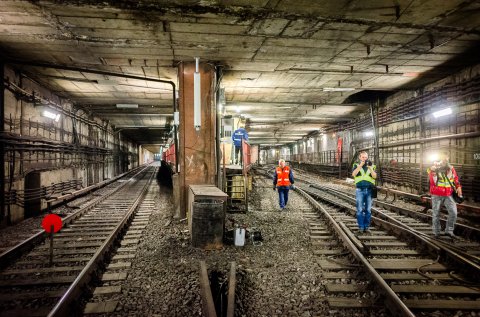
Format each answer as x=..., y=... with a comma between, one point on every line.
x=368, y=163
x=441, y=168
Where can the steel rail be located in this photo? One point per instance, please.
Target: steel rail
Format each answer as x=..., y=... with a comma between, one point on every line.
x=64, y=305
x=382, y=219
x=468, y=231
x=16, y=251
x=393, y=303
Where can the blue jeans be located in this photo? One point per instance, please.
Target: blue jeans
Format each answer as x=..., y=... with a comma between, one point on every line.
x=283, y=195
x=364, y=207
x=451, y=206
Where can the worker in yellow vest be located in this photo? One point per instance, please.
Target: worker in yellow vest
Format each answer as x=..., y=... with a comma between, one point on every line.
x=364, y=175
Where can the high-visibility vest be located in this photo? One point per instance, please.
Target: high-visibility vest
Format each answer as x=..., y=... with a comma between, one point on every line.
x=364, y=176
x=439, y=184
x=283, y=176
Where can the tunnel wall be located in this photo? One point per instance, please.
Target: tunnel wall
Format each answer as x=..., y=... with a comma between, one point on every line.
x=401, y=120
x=76, y=151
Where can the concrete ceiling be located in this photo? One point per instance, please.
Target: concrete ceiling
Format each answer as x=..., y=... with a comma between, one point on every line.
x=277, y=55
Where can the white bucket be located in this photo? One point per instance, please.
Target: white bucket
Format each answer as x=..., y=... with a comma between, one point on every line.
x=239, y=237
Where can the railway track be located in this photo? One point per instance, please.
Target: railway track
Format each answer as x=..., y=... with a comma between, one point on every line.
x=30, y=287
x=409, y=270
x=10, y=237
x=398, y=266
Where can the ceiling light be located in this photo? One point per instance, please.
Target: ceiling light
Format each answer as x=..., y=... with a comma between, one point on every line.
x=368, y=133
x=51, y=115
x=338, y=89
x=127, y=106
x=443, y=112
x=237, y=109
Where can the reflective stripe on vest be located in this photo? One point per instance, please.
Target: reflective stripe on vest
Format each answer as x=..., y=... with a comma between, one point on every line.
x=442, y=179
x=283, y=177
x=365, y=176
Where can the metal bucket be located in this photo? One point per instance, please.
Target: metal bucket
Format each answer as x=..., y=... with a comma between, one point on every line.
x=208, y=218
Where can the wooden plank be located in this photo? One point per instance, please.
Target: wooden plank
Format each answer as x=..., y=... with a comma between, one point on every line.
x=208, y=306
x=447, y=304
x=108, y=277
x=101, y=290
x=100, y=307
x=119, y=257
x=125, y=249
x=55, y=261
x=324, y=243
x=139, y=222
x=40, y=281
x=414, y=276
x=37, y=312
x=326, y=252
x=345, y=288
x=385, y=244
x=132, y=236
x=72, y=244
x=410, y=264
x=438, y=289
x=134, y=231
x=78, y=235
x=393, y=252
x=137, y=227
x=119, y=265
x=62, y=252
x=339, y=302
x=372, y=237
x=232, y=282
x=328, y=265
x=320, y=233
x=321, y=237
x=30, y=295
x=336, y=275
x=73, y=239
x=129, y=241
x=43, y=270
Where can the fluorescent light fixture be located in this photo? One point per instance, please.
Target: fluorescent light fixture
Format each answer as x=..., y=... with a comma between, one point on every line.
x=127, y=106
x=176, y=118
x=237, y=109
x=197, y=101
x=443, y=112
x=368, y=133
x=51, y=115
x=338, y=89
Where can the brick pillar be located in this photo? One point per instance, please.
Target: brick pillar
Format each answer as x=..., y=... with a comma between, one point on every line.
x=196, y=148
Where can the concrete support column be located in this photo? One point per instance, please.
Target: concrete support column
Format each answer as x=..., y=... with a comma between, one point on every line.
x=196, y=148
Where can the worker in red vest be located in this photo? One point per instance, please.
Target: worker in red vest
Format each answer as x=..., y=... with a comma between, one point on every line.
x=283, y=180
x=443, y=182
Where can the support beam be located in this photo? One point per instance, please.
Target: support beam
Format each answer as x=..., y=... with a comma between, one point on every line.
x=2, y=145
x=196, y=148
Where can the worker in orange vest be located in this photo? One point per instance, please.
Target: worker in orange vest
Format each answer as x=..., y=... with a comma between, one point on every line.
x=283, y=180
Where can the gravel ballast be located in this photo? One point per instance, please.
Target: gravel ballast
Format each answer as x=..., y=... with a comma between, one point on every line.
x=278, y=278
